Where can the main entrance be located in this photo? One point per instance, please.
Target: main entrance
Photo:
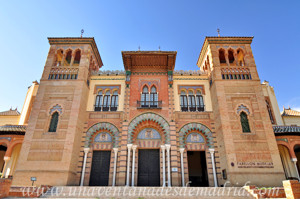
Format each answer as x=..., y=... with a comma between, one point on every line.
x=148, y=167
x=100, y=168
x=197, y=168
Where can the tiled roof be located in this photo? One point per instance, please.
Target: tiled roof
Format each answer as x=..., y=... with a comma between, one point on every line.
x=290, y=112
x=13, y=128
x=10, y=112
x=286, y=129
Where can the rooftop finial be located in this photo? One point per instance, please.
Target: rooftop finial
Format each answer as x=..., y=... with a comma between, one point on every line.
x=218, y=30
x=82, y=31
x=139, y=48
x=159, y=48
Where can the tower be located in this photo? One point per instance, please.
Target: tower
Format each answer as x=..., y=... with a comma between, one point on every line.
x=51, y=146
x=244, y=134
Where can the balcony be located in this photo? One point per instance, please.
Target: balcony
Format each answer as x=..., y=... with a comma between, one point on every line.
x=149, y=104
x=192, y=109
x=105, y=108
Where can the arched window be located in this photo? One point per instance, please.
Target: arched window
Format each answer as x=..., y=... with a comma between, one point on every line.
x=53, y=122
x=59, y=57
x=106, y=101
x=199, y=101
x=240, y=57
x=153, y=97
x=77, y=57
x=244, y=122
x=183, y=101
x=114, y=101
x=270, y=112
x=230, y=56
x=192, y=101
x=222, y=56
x=68, y=57
x=99, y=99
x=145, y=97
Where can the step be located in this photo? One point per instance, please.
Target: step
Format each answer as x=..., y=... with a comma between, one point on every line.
x=147, y=192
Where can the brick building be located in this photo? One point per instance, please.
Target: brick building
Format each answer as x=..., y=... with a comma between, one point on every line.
x=150, y=125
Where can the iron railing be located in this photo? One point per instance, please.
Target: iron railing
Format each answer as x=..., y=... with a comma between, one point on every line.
x=192, y=108
x=105, y=108
x=149, y=104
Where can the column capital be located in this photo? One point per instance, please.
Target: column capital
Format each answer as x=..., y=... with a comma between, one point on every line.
x=163, y=147
x=294, y=159
x=211, y=150
x=134, y=147
x=168, y=146
x=86, y=150
x=6, y=158
x=129, y=146
x=115, y=150
x=181, y=150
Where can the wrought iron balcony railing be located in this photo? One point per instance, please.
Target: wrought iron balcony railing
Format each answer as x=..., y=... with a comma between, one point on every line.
x=192, y=108
x=105, y=108
x=149, y=104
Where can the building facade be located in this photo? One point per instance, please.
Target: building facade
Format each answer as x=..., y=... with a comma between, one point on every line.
x=150, y=125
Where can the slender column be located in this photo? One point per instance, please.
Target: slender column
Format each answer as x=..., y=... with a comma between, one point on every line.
x=182, y=166
x=115, y=166
x=128, y=163
x=163, y=148
x=133, y=164
x=168, y=146
x=294, y=160
x=86, y=151
x=6, y=160
x=212, y=151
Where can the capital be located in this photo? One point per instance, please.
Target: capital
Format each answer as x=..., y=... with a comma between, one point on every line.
x=115, y=150
x=6, y=158
x=134, y=147
x=163, y=147
x=129, y=146
x=294, y=159
x=211, y=150
x=86, y=150
x=168, y=146
x=181, y=150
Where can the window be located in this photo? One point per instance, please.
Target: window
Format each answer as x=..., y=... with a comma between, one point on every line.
x=192, y=101
x=153, y=97
x=270, y=112
x=114, y=101
x=200, y=102
x=145, y=97
x=68, y=57
x=222, y=56
x=183, y=101
x=106, y=101
x=244, y=122
x=53, y=122
x=77, y=57
x=230, y=56
x=98, y=104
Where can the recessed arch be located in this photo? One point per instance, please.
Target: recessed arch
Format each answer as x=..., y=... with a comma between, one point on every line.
x=152, y=117
x=102, y=126
x=195, y=126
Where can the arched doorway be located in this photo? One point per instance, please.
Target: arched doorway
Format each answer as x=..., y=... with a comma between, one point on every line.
x=101, y=139
x=288, y=166
x=196, y=146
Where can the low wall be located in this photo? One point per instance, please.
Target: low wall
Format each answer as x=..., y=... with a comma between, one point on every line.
x=5, y=184
x=292, y=189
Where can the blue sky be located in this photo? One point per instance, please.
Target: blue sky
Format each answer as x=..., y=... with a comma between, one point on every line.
x=125, y=25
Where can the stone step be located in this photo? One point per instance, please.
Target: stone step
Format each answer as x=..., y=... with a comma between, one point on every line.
x=147, y=192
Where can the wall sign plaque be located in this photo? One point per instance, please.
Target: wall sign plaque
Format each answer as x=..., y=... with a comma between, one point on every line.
x=255, y=164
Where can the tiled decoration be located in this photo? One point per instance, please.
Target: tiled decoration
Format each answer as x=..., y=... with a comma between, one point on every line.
x=149, y=134
x=243, y=108
x=56, y=108
x=103, y=137
x=145, y=117
x=195, y=138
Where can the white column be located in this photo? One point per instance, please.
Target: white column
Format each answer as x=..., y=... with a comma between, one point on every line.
x=4, y=170
x=86, y=151
x=128, y=163
x=182, y=166
x=115, y=166
x=163, y=148
x=168, y=146
x=133, y=164
x=294, y=160
x=212, y=151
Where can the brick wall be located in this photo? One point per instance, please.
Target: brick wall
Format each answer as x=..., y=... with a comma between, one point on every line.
x=5, y=184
